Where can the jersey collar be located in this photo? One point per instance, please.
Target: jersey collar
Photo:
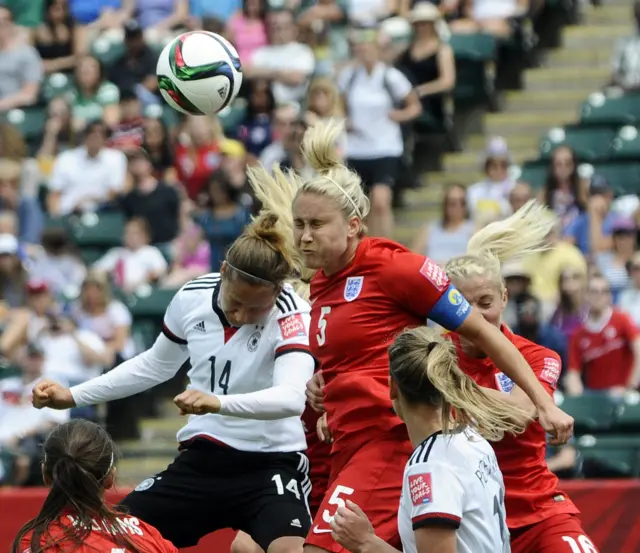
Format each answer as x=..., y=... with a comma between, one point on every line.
x=215, y=304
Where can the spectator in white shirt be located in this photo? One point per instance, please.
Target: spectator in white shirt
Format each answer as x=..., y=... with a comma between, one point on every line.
x=21, y=424
x=288, y=64
x=87, y=177
x=629, y=299
x=137, y=263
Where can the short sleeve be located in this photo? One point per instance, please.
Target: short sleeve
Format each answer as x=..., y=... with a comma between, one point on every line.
x=575, y=355
x=153, y=540
x=547, y=367
x=108, y=94
x=172, y=326
x=435, y=495
x=92, y=340
x=629, y=327
x=343, y=79
x=33, y=68
x=155, y=259
x=304, y=61
x=118, y=314
x=420, y=286
x=293, y=320
x=109, y=260
x=398, y=83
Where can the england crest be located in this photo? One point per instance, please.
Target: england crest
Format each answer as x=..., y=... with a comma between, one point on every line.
x=353, y=287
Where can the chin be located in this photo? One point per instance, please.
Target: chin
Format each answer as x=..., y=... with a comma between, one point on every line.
x=311, y=261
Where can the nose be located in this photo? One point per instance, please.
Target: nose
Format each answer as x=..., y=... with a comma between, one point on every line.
x=306, y=235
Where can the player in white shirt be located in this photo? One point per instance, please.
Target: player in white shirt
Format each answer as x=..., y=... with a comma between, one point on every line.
x=453, y=492
x=241, y=463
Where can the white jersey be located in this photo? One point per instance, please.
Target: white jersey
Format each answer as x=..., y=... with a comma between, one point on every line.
x=454, y=479
x=237, y=360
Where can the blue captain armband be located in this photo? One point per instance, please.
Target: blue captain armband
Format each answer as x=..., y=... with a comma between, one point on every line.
x=451, y=310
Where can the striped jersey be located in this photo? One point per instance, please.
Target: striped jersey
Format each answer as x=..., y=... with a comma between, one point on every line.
x=454, y=480
x=237, y=360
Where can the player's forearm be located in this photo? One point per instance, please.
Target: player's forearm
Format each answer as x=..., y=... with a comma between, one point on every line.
x=135, y=375
x=277, y=402
x=377, y=545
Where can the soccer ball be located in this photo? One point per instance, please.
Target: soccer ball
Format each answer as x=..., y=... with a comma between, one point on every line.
x=199, y=73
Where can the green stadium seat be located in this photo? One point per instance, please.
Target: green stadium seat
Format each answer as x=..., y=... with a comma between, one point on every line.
x=628, y=419
x=532, y=172
x=626, y=144
x=144, y=332
x=29, y=121
x=592, y=413
x=478, y=47
x=610, y=456
x=91, y=255
x=231, y=117
x=624, y=178
x=98, y=230
x=107, y=51
x=151, y=305
x=474, y=54
x=590, y=144
x=600, y=110
x=56, y=84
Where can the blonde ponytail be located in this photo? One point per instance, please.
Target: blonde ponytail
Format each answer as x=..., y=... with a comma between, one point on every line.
x=319, y=145
x=425, y=367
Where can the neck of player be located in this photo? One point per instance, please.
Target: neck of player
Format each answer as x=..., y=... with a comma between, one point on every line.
x=422, y=421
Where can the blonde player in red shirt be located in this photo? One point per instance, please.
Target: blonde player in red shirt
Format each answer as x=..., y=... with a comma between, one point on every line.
x=78, y=467
x=540, y=517
x=365, y=292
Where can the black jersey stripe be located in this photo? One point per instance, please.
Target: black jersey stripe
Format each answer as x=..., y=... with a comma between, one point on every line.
x=286, y=302
x=281, y=307
x=289, y=295
x=421, y=454
x=191, y=288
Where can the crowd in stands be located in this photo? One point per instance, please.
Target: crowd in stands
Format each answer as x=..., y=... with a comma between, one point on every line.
x=109, y=201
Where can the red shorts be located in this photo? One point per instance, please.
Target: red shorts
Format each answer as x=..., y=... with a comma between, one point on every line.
x=561, y=533
x=371, y=478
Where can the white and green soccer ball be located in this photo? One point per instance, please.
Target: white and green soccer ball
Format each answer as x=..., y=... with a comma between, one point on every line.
x=199, y=73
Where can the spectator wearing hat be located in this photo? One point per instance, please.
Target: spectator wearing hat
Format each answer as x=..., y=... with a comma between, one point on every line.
x=151, y=199
x=613, y=264
x=629, y=298
x=135, y=69
x=489, y=198
x=21, y=70
x=105, y=168
x=428, y=62
x=517, y=281
x=590, y=231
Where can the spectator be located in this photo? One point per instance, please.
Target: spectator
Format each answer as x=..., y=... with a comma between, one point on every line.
x=489, y=16
x=564, y=460
x=288, y=64
x=629, y=299
x=565, y=192
x=26, y=15
x=57, y=264
x=22, y=426
x=197, y=154
x=613, y=264
x=224, y=219
x=247, y=30
x=205, y=9
x=255, y=130
x=448, y=237
x=136, y=263
x=110, y=319
x=55, y=38
x=626, y=59
x=151, y=199
x=519, y=195
x=369, y=12
x=95, y=17
x=93, y=98
x=157, y=144
x=324, y=22
x=429, y=62
x=489, y=198
x=572, y=309
x=374, y=136
x=58, y=134
x=128, y=135
x=13, y=276
x=517, y=280
x=160, y=19
x=27, y=210
x=284, y=118
x=591, y=229
x=135, y=69
x=192, y=258
x=234, y=164
x=103, y=167
x=294, y=159
x=324, y=102
x=604, y=352
x=21, y=70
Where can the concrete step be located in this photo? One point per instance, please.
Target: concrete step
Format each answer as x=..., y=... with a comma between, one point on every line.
x=514, y=124
x=133, y=471
x=582, y=57
x=470, y=160
x=406, y=233
x=610, y=14
x=595, y=36
x=477, y=143
x=145, y=448
x=544, y=100
x=161, y=429
x=586, y=79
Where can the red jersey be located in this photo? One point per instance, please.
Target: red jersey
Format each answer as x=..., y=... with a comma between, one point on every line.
x=604, y=351
x=195, y=165
x=101, y=539
x=355, y=315
x=532, y=492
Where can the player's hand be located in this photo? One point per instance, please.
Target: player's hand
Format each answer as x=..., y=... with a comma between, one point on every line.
x=351, y=528
x=48, y=393
x=315, y=392
x=556, y=423
x=194, y=402
x=322, y=428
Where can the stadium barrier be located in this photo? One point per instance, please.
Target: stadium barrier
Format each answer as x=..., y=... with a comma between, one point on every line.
x=610, y=514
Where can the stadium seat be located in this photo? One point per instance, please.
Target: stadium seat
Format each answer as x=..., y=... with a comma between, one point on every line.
x=56, y=84
x=624, y=178
x=533, y=173
x=144, y=333
x=626, y=144
x=29, y=121
x=474, y=54
x=590, y=144
x=592, y=413
x=91, y=255
x=151, y=305
x=610, y=456
x=616, y=111
x=106, y=50
x=628, y=419
x=97, y=230
x=231, y=116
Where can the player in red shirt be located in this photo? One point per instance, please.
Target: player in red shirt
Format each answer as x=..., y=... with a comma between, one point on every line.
x=366, y=291
x=78, y=467
x=540, y=517
x=605, y=348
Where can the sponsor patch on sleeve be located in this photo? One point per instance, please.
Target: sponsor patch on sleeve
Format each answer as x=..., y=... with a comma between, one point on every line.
x=420, y=489
x=435, y=274
x=292, y=327
x=551, y=371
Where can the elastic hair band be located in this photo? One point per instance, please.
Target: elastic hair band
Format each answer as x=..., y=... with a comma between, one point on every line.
x=353, y=203
x=249, y=275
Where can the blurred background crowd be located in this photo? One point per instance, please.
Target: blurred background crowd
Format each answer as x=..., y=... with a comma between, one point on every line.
x=110, y=201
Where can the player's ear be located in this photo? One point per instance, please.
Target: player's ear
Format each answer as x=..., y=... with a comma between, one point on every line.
x=393, y=389
x=45, y=478
x=110, y=479
x=223, y=268
x=354, y=225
